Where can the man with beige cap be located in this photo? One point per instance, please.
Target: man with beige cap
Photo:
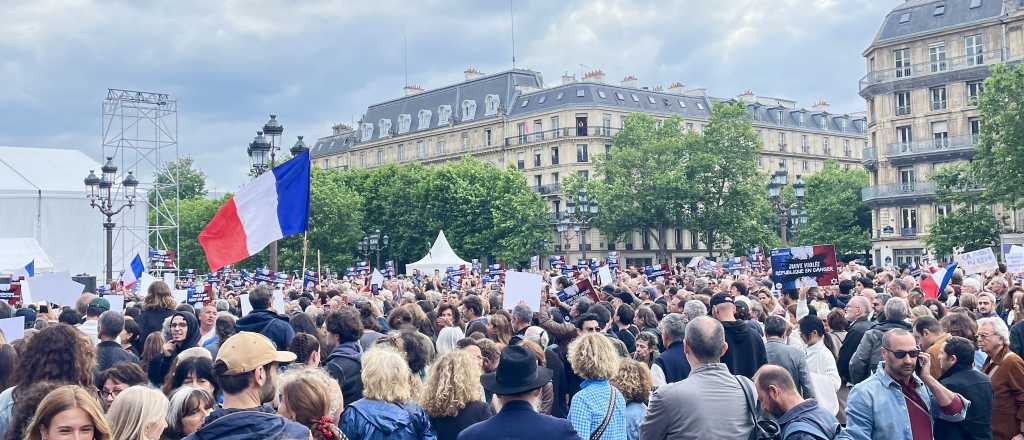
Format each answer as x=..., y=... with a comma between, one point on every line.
x=246, y=369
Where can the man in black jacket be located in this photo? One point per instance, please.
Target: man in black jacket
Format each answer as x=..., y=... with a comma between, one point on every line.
x=265, y=321
x=745, y=352
x=857, y=311
x=345, y=364
x=957, y=359
x=109, y=352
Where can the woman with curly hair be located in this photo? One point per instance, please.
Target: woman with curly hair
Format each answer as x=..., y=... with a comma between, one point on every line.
x=452, y=395
x=635, y=383
x=69, y=409
x=306, y=400
x=595, y=360
x=58, y=353
x=387, y=410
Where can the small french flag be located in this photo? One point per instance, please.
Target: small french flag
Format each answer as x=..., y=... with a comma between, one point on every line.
x=271, y=207
x=29, y=270
x=134, y=272
x=935, y=283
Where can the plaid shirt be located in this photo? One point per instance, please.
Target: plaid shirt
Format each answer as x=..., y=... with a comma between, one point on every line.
x=589, y=407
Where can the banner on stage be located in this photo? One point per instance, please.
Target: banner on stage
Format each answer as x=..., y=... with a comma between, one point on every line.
x=804, y=266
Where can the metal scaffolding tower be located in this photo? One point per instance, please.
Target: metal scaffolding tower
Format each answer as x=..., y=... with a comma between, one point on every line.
x=140, y=131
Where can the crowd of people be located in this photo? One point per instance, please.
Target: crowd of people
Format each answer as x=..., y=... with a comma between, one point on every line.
x=688, y=355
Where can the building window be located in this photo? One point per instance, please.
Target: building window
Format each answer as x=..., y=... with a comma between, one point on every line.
x=362, y=159
x=940, y=134
x=536, y=157
x=782, y=141
x=491, y=104
x=555, y=179
x=938, y=97
x=847, y=151
x=974, y=124
x=555, y=127
x=465, y=141
x=805, y=165
x=906, y=178
x=942, y=210
x=937, y=57
x=622, y=122
x=380, y=156
x=902, y=100
x=908, y=221
x=904, y=135
x=401, y=153
x=607, y=149
x=521, y=132
x=423, y=118
x=826, y=147
x=583, y=174
x=537, y=180
x=520, y=160
x=689, y=127
x=421, y=149
x=901, y=59
x=805, y=146
x=581, y=153
x=974, y=48
x=554, y=155
x=974, y=89
x=440, y=147
x=487, y=137
x=538, y=130
x=606, y=124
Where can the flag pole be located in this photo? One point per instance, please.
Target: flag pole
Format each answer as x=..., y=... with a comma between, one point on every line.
x=305, y=248
x=318, y=264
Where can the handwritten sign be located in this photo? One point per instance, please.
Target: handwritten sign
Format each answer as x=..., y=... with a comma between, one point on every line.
x=1015, y=259
x=978, y=261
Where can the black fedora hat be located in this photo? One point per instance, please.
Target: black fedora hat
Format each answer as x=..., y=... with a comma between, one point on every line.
x=517, y=373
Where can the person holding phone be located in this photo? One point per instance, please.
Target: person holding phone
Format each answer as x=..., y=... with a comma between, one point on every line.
x=182, y=334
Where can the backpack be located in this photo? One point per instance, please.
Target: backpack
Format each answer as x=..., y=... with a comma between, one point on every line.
x=809, y=428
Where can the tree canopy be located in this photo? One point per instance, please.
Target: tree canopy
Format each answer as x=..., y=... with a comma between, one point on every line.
x=836, y=214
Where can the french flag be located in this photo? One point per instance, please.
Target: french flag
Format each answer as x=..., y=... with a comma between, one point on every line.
x=936, y=282
x=271, y=207
x=134, y=272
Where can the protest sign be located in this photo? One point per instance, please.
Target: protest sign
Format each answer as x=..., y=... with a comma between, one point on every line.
x=804, y=266
x=196, y=296
x=522, y=286
x=169, y=279
x=1015, y=259
x=377, y=278
x=145, y=281
x=572, y=294
x=278, y=301
x=535, y=263
x=180, y=296
x=605, y=275
x=9, y=289
x=116, y=302
x=13, y=328
x=978, y=261
x=56, y=288
x=243, y=300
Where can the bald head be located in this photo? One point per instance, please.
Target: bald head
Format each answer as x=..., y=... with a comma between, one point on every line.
x=774, y=376
x=705, y=339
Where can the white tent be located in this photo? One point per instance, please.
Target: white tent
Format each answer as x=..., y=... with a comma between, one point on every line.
x=440, y=257
x=15, y=253
x=42, y=197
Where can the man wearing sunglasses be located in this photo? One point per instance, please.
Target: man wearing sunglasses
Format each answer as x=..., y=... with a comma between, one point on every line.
x=901, y=399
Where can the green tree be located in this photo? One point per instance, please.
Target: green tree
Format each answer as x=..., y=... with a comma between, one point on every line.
x=642, y=184
x=727, y=190
x=998, y=162
x=165, y=197
x=972, y=224
x=836, y=214
x=196, y=213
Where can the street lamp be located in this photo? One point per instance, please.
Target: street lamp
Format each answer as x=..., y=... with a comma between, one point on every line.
x=101, y=196
x=298, y=148
x=374, y=243
x=791, y=215
x=581, y=211
x=263, y=156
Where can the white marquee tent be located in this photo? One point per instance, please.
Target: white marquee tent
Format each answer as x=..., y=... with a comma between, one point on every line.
x=43, y=198
x=15, y=253
x=440, y=257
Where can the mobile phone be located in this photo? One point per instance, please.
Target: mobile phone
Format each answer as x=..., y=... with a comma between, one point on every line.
x=919, y=365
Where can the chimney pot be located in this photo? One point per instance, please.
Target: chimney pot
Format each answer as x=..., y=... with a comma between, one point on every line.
x=631, y=82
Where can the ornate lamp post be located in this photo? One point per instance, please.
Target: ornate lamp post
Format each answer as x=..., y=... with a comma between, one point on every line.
x=791, y=215
x=374, y=243
x=581, y=212
x=263, y=156
x=101, y=196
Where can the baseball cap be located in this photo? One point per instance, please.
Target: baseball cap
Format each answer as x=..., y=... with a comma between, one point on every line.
x=246, y=351
x=721, y=298
x=100, y=303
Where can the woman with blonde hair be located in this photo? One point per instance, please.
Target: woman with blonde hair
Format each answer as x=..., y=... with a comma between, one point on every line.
x=68, y=409
x=635, y=382
x=452, y=395
x=305, y=399
x=387, y=410
x=499, y=329
x=138, y=413
x=595, y=360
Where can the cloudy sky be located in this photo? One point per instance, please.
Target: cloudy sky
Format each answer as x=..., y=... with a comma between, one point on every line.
x=318, y=62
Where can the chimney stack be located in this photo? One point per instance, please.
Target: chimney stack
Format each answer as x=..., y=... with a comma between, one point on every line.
x=820, y=106
x=596, y=75
x=745, y=97
x=631, y=82
x=472, y=73
x=413, y=90
x=676, y=88
x=568, y=79
x=696, y=92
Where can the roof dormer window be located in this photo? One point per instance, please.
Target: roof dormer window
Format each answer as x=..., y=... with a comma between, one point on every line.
x=939, y=10
x=905, y=18
x=581, y=93
x=975, y=4
x=650, y=99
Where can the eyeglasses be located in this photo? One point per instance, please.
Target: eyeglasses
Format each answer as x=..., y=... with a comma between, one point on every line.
x=984, y=335
x=900, y=354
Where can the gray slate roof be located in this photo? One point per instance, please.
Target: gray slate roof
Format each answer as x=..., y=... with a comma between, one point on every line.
x=586, y=94
x=333, y=144
x=922, y=18
x=806, y=119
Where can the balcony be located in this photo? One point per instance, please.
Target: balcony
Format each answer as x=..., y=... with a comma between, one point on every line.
x=898, y=192
x=560, y=133
x=869, y=157
x=551, y=189
x=959, y=147
x=913, y=76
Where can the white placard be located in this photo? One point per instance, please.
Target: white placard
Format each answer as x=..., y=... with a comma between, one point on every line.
x=243, y=300
x=180, y=296
x=1015, y=259
x=144, y=281
x=522, y=286
x=13, y=328
x=278, y=301
x=116, y=302
x=377, y=278
x=977, y=261
x=694, y=262
x=56, y=287
x=169, y=279
x=605, y=275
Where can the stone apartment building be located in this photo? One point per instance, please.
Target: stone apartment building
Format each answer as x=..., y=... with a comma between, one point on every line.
x=925, y=70
x=549, y=133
